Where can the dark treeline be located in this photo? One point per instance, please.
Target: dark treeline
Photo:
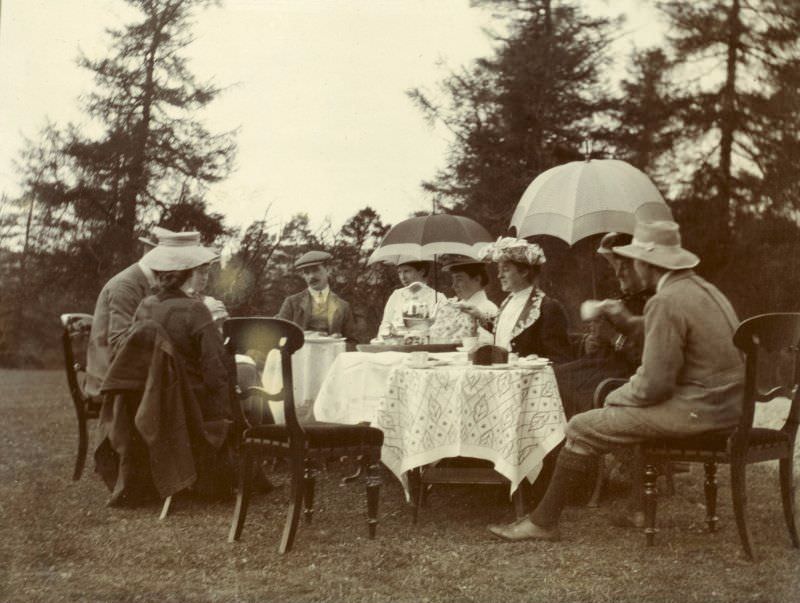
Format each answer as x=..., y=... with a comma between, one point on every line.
x=711, y=113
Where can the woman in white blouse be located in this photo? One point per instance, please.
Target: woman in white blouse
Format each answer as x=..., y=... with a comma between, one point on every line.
x=415, y=297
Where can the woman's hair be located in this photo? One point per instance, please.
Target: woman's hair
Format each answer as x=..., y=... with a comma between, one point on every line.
x=423, y=267
x=473, y=270
x=171, y=280
x=531, y=271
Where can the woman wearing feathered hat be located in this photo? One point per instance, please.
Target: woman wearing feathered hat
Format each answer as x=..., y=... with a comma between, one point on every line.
x=529, y=322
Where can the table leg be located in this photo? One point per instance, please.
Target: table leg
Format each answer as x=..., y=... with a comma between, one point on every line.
x=520, y=499
x=414, y=485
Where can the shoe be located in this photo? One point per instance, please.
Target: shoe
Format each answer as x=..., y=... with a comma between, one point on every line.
x=626, y=519
x=524, y=529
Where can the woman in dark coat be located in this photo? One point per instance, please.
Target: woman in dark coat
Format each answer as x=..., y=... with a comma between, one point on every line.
x=528, y=322
x=209, y=369
x=190, y=326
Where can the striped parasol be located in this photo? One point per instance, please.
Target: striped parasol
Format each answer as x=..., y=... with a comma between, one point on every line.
x=426, y=237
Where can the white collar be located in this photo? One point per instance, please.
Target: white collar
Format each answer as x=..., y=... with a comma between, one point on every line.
x=321, y=295
x=662, y=280
x=526, y=293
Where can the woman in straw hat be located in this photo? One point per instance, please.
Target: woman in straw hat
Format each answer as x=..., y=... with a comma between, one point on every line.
x=529, y=322
x=178, y=263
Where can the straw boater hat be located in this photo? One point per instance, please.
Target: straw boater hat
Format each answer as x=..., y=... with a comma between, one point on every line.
x=312, y=258
x=179, y=251
x=659, y=244
x=158, y=233
x=510, y=249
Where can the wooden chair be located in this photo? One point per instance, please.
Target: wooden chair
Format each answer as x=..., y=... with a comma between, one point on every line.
x=299, y=444
x=768, y=333
x=75, y=341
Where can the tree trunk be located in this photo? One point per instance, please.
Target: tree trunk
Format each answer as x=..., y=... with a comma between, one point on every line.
x=137, y=182
x=728, y=118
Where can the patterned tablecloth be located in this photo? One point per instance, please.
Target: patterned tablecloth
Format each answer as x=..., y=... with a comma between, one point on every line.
x=511, y=417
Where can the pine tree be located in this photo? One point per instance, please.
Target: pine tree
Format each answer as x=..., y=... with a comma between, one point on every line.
x=645, y=129
x=153, y=160
x=726, y=54
x=521, y=111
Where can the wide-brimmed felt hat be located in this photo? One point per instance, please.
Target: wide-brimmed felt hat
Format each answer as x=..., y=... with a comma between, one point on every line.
x=179, y=251
x=312, y=258
x=659, y=244
x=511, y=249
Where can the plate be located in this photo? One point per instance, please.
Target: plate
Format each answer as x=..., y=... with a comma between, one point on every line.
x=430, y=363
x=502, y=366
x=533, y=364
x=324, y=339
x=427, y=347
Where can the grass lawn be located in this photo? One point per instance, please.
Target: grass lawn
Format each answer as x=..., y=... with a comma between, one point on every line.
x=60, y=543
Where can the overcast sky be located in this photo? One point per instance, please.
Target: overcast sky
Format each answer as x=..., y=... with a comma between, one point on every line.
x=317, y=91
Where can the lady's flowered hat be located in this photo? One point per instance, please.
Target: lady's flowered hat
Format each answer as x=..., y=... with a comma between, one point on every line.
x=510, y=249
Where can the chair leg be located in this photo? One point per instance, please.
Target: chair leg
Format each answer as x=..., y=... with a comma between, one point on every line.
x=309, y=481
x=787, y=497
x=650, y=476
x=739, y=493
x=246, y=466
x=373, y=496
x=297, y=465
x=636, y=499
x=415, y=492
x=165, y=508
x=710, y=488
x=599, y=483
x=83, y=444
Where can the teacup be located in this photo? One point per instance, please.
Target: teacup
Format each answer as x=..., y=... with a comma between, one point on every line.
x=591, y=309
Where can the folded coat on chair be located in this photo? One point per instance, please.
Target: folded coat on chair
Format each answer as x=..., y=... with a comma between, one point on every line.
x=168, y=417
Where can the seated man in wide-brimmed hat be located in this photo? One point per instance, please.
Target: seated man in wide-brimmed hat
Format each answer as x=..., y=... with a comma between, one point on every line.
x=689, y=382
x=469, y=278
x=317, y=308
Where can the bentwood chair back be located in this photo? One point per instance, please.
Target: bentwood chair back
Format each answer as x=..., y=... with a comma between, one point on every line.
x=258, y=336
x=75, y=332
